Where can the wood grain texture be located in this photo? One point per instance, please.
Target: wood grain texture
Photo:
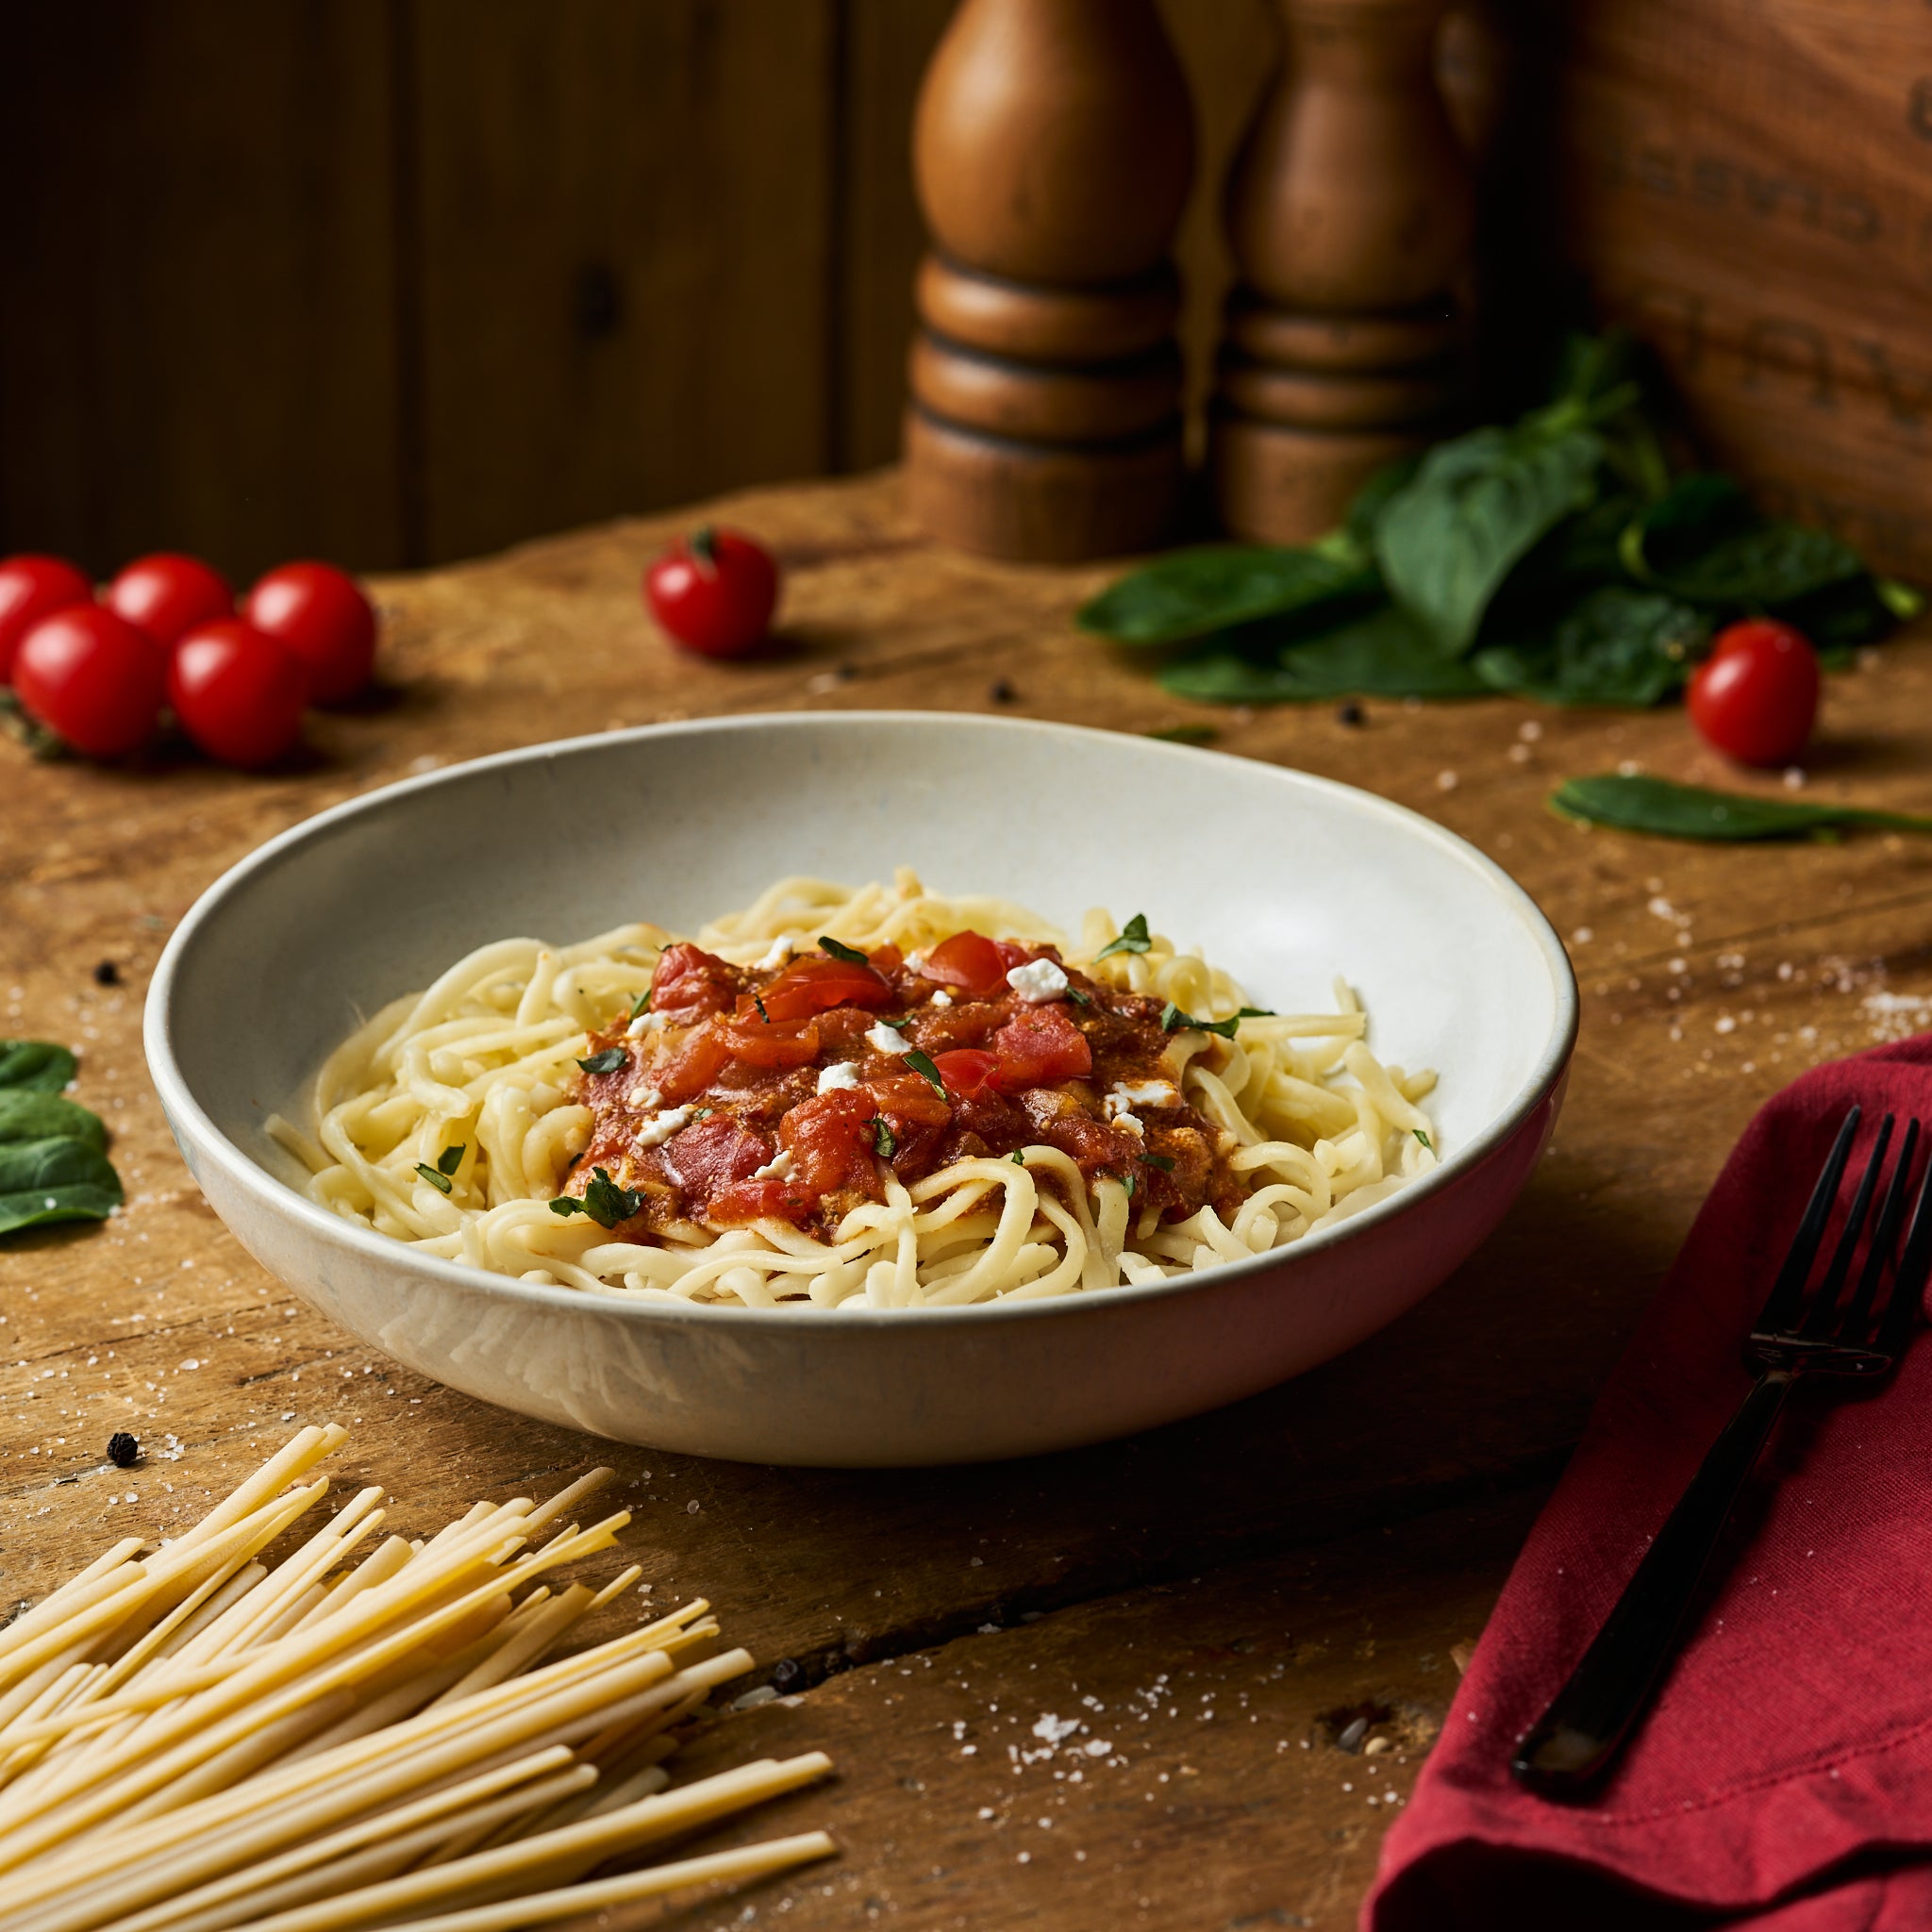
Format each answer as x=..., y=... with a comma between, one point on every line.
x=1710, y=976
x=1748, y=184
x=198, y=340
x=622, y=227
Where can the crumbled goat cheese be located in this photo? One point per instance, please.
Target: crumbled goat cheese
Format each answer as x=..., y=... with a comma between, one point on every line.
x=1038, y=981
x=646, y=1022
x=645, y=1099
x=1127, y=1095
x=774, y=1168
x=779, y=956
x=661, y=1126
x=888, y=1038
x=943, y=998
x=840, y=1078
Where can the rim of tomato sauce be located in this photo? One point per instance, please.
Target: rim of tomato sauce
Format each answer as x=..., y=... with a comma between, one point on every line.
x=786, y=1092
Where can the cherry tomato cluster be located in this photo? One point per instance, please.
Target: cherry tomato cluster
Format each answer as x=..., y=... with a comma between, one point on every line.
x=97, y=672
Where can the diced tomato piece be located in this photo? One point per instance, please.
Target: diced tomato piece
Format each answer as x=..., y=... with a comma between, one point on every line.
x=967, y=1070
x=711, y=1155
x=814, y=984
x=693, y=1067
x=1011, y=955
x=830, y=1139
x=690, y=980
x=771, y=1043
x=910, y=1097
x=885, y=959
x=770, y=1200
x=969, y=960
x=1038, y=1047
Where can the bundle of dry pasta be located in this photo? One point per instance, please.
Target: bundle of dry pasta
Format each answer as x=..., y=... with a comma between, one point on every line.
x=364, y=1733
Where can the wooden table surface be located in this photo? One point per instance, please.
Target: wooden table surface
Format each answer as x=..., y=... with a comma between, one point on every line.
x=1207, y=1606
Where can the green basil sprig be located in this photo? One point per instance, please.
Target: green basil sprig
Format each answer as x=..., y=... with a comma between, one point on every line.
x=604, y=1201
x=53, y=1160
x=1669, y=810
x=1133, y=939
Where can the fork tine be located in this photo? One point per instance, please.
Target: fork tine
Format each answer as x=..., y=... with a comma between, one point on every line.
x=1781, y=1304
x=1824, y=1303
x=1884, y=1238
x=1908, y=1289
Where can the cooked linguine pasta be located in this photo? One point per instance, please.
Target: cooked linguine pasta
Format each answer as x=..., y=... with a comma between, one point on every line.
x=881, y=1098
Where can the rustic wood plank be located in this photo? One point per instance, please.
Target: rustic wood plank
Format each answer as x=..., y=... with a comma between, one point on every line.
x=623, y=219
x=1746, y=185
x=197, y=348
x=1788, y=957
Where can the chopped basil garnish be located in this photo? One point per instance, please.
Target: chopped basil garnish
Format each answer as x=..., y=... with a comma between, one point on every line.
x=922, y=1063
x=1255, y=1013
x=604, y=1201
x=1174, y=1021
x=439, y=1181
x=642, y=1003
x=885, y=1142
x=1133, y=939
x=1164, y=1161
x=1079, y=998
x=450, y=1158
x=760, y=1005
x=897, y=1026
x=1018, y=1158
x=1127, y=1180
x=840, y=950
x=1423, y=1138
x=606, y=1063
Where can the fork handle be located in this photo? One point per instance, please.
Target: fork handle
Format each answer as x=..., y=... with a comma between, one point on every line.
x=1590, y=1716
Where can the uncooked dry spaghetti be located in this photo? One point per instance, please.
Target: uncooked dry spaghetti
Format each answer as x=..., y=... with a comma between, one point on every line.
x=368, y=1732
x=878, y=1098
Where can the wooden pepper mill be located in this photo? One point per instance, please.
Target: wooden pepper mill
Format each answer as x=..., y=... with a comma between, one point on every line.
x=1350, y=208
x=1052, y=148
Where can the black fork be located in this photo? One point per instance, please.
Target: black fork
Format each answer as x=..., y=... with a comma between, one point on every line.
x=1823, y=1334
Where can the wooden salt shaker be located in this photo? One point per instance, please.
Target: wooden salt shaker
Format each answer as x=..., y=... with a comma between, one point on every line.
x=1350, y=208
x=1052, y=148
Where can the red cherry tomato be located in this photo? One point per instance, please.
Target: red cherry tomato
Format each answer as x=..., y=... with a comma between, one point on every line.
x=91, y=679
x=166, y=595
x=969, y=960
x=238, y=692
x=772, y=1042
x=714, y=593
x=322, y=616
x=1755, y=697
x=689, y=981
x=968, y=1070
x=815, y=985
x=32, y=588
x=1040, y=1048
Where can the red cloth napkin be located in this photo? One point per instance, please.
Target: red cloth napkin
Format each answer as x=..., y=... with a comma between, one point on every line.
x=1783, y=1779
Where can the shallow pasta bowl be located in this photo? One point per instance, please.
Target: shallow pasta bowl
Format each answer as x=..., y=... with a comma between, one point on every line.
x=1284, y=879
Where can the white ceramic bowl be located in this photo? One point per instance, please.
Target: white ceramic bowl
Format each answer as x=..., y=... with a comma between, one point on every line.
x=1284, y=879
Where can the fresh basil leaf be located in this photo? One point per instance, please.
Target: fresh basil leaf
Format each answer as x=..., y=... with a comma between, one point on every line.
x=1356, y=536
x=641, y=1005
x=1902, y=600
x=1127, y=1181
x=607, y=1204
x=757, y=1001
x=922, y=1063
x=1185, y=734
x=1839, y=617
x=1641, y=804
x=1018, y=1158
x=1423, y=1138
x=1079, y=998
x=1618, y=646
x=1133, y=939
x=1190, y=592
x=1164, y=1161
x=437, y=1180
x=28, y=1114
x=451, y=1159
x=1707, y=543
x=1255, y=1013
x=885, y=1142
x=60, y=1178
x=606, y=1063
x=840, y=950
x=1385, y=654
x=36, y=1063
x=1174, y=1021
x=1476, y=506
x=564, y=1206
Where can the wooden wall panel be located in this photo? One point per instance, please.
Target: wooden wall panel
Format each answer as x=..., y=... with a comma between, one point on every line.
x=197, y=327
x=1748, y=183
x=622, y=223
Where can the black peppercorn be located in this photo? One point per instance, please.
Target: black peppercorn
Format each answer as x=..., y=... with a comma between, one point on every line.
x=106, y=973
x=787, y=1675
x=1001, y=693
x=124, y=1452
x=1351, y=713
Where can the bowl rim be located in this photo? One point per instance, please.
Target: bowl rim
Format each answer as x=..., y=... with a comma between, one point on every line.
x=277, y=1196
